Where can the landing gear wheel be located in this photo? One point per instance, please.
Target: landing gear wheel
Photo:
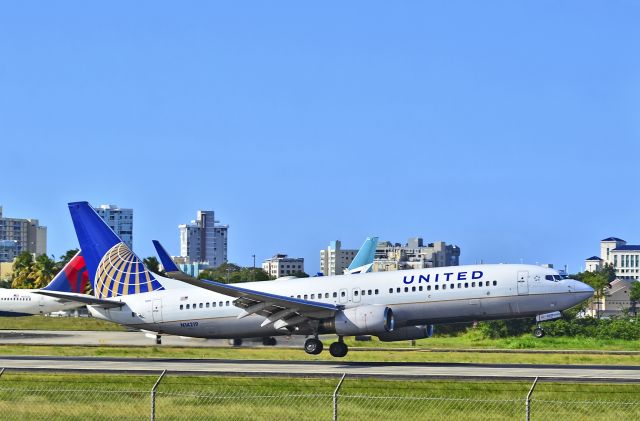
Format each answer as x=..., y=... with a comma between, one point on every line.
x=269, y=341
x=313, y=346
x=538, y=332
x=338, y=349
x=158, y=340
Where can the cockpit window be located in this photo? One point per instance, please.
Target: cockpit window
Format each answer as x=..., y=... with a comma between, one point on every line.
x=557, y=278
x=549, y=277
x=553, y=278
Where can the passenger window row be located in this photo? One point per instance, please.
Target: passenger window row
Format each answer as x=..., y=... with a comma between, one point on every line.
x=335, y=294
x=16, y=299
x=205, y=305
x=444, y=286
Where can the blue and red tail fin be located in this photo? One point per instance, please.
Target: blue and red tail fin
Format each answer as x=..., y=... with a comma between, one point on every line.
x=113, y=268
x=73, y=277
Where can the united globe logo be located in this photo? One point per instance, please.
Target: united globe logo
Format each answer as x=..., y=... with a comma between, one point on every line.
x=120, y=272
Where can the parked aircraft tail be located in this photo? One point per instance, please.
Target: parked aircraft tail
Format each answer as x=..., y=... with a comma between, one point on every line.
x=363, y=262
x=72, y=278
x=114, y=270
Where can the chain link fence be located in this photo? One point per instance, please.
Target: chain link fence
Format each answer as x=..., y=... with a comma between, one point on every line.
x=32, y=396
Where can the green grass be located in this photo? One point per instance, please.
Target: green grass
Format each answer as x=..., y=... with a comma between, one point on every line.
x=103, y=396
x=286, y=354
x=57, y=323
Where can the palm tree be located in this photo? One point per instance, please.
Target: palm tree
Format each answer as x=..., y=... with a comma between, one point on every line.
x=44, y=269
x=22, y=276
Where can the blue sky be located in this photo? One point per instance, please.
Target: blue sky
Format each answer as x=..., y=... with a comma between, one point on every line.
x=511, y=129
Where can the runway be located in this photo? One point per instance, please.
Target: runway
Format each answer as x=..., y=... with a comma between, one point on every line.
x=324, y=368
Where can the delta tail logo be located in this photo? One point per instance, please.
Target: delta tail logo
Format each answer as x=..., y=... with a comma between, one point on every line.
x=120, y=272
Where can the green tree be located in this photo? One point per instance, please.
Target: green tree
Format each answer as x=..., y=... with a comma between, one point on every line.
x=598, y=281
x=153, y=265
x=634, y=296
x=43, y=271
x=231, y=273
x=22, y=271
x=609, y=272
x=301, y=274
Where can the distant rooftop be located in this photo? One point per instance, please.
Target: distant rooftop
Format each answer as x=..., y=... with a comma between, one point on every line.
x=613, y=239
x=593, y=258
x=628, y=247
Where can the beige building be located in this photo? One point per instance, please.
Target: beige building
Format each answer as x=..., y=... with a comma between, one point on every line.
x=28, y=234
x=282, y=265
x=615, y=300
x=415, y=255
x=624, y=257
x=6, y=271
x=334, y=259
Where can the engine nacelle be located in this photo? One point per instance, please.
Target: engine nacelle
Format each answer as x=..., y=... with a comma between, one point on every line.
x=364, y=320
x=407, y=333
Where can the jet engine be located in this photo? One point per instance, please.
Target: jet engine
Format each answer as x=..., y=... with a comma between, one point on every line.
x=407, y=333
x=363, y=320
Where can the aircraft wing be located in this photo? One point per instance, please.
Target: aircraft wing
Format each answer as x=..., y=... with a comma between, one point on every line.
x=279, y=310
x=89, y=300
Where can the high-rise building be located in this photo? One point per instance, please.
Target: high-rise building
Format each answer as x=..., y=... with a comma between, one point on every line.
x=415, y=255
x=334, y=259
x=27, y=234
x=120, y=220
x=283, y=265
x=203, y=240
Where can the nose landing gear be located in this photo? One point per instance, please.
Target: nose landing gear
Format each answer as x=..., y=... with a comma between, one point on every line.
x=538, y=332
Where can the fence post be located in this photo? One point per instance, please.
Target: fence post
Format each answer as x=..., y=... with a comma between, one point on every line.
x=529, y=399
x=153, y=396
x=335, y=397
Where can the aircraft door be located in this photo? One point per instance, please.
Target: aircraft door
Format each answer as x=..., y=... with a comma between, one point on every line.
x=356, y=295
x=523, y=282
x=156, y=310
x=343, y=296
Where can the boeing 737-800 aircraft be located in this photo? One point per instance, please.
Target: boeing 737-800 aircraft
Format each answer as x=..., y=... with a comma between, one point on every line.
x=393, y=306
x=25, y=302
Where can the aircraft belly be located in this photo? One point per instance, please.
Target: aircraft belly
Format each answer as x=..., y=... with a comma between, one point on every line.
x=220, y=328
x=489, y=308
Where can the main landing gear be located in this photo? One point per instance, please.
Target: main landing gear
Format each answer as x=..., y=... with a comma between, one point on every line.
x=538, y=332
x=313, y=346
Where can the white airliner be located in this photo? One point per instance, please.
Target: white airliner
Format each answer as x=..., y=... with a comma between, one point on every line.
x=25, y=302
x=393, y=306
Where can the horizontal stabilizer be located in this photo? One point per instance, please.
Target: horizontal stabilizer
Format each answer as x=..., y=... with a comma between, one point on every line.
x=89, y=300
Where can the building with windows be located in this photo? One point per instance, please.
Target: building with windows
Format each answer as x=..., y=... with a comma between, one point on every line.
x=625, y=258
x=120, y=220
x=334, y=259
x=283, y=265
x=204, y=241
x=27, y=235
x=415, y=255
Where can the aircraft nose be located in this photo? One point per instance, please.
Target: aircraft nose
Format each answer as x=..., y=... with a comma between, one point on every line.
x=583, y=290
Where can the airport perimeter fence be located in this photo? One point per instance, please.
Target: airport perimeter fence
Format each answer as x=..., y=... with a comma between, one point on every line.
x=32, y=396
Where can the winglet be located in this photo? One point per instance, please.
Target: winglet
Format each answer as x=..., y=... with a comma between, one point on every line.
x=168, y=264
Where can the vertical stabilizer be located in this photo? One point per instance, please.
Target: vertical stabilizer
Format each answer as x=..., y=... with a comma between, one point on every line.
x=363, y=262
x=72, y=278
x=114, y=269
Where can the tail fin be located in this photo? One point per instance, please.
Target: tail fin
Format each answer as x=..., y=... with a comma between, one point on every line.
x=363, y=261
x=113, y=268
x=72, y=278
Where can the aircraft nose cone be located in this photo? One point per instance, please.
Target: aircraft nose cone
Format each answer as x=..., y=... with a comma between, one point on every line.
x=582, y=290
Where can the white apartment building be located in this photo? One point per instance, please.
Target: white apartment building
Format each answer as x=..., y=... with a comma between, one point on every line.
x=624, y=257
x=27, y=234
x=120, y=220
x=203, y=240
x=414, y=255
x=282, y=265
x=334, y=259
